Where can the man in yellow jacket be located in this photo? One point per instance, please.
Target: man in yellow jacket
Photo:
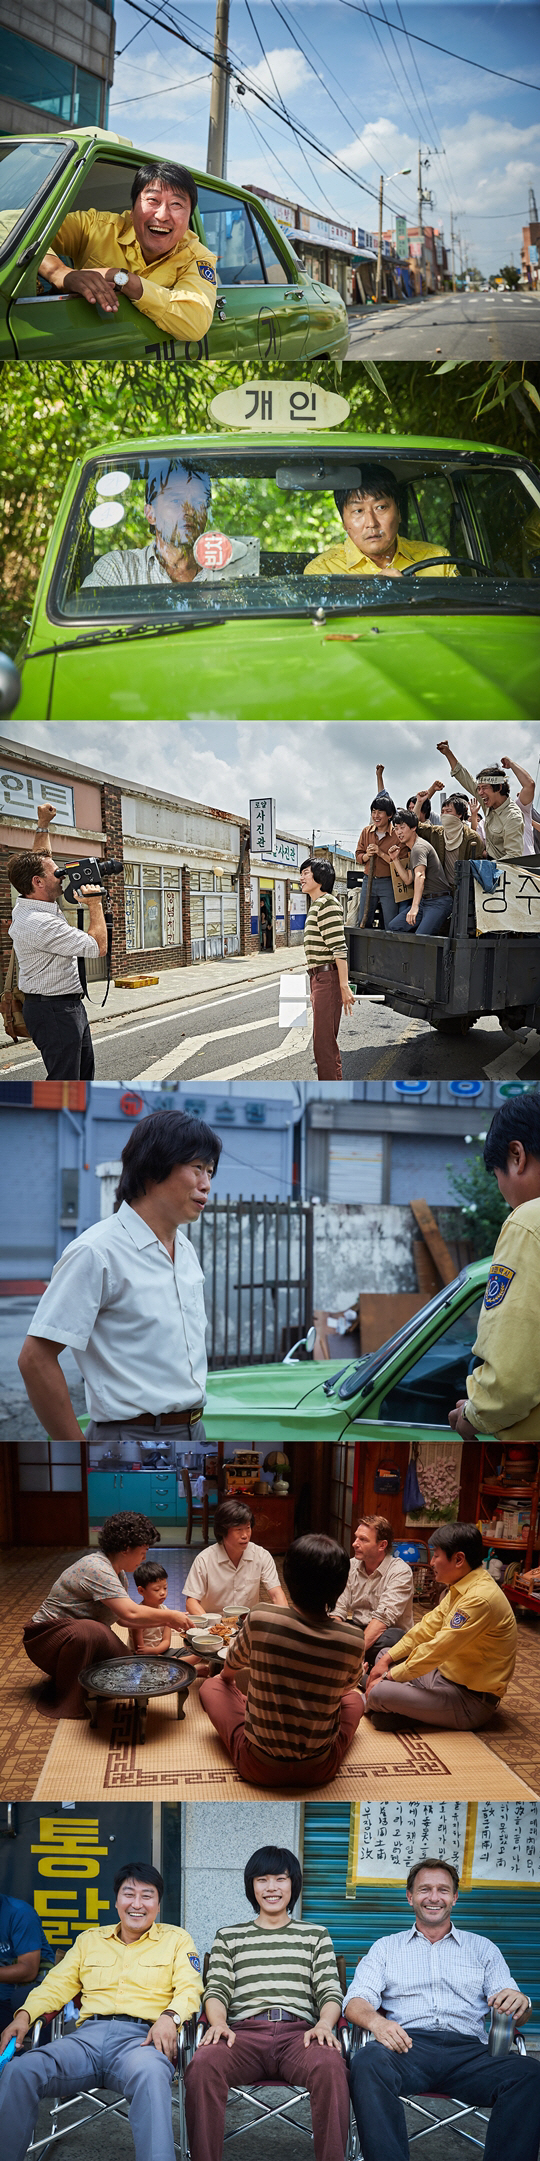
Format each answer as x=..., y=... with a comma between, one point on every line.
x=503, y=1391
x=147, y=253
x=138, y=1981
x=373, y=545
x=453, y=1666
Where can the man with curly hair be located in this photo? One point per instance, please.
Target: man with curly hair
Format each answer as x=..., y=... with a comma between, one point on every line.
x=73, y=1629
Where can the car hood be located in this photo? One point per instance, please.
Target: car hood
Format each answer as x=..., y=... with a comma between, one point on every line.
x=253, y=1404
x=386, y=666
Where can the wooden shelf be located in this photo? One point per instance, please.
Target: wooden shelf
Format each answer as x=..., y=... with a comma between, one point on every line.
x=510, y=1493
x=488, y=1483
x=506, y=1545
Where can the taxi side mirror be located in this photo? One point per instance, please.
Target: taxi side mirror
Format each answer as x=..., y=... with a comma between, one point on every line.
x=10, y=684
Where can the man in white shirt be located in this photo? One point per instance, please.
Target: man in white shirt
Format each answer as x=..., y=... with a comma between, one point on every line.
x=379, y=1592
x=128, y=1297
x=48, y=949
x=424, y=1995
x=233, y=1572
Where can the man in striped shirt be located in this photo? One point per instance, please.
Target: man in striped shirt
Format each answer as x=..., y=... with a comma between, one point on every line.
x=423, y=1996
x=303, y=1704
x=325, y=951
x=272, y=2000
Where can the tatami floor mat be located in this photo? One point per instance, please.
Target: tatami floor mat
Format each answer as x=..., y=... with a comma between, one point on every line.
x=511, y=1745
x=186, y=1760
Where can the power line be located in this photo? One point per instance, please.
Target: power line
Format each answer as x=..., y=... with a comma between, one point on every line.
x=320, y=149
x=320, y=78
x=143, y=96
x=518, y=80
x=330, y=206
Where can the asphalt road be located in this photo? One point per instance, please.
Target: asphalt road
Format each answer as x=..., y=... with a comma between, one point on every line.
x=237, y=1036
x=449, y=326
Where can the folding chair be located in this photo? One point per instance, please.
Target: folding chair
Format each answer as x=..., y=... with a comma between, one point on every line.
x=433, y=2122
x=94, y=2095
x=298, y=2094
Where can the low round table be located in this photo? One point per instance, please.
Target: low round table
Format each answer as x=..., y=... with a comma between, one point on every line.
x=138, y=1680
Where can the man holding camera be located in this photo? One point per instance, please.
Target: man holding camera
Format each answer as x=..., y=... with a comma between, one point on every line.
x=47, y=949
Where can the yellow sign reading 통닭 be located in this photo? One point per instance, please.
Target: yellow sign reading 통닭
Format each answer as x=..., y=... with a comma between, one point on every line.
x=266, y=406
x=514, y=903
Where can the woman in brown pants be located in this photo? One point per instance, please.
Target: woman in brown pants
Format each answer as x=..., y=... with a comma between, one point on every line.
x=72, y=1629
x=326, y=958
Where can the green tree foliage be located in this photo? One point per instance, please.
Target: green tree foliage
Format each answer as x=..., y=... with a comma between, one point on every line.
x=483, y=1210
x=510, y=275
x=52, y=414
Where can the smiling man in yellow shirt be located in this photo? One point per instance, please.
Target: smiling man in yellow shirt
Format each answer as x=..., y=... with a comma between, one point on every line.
x=503, y=1390
x=138, y=1981
x=148, y=254
x=452, y=1668
x=371, y=515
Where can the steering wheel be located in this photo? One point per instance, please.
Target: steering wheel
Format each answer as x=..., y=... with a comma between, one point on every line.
x=427, y=563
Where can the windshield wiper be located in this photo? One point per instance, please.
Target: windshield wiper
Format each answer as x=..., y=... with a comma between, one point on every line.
x=131, y=630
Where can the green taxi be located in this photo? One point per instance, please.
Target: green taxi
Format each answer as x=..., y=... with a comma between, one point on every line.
x=268, y=307
x=121, y=630
x=403, y=1392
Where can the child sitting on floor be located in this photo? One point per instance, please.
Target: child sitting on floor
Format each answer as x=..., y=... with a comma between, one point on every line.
x=151, y=1580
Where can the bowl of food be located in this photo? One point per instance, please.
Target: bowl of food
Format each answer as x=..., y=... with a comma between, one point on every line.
x=207, y=1640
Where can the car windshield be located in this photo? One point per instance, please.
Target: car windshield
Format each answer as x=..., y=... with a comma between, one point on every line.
x=254, y=531
x=364, y=1373
x=25, y=169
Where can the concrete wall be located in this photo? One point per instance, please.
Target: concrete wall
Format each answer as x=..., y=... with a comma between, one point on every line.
x=361, y=1249
x=216, y=1843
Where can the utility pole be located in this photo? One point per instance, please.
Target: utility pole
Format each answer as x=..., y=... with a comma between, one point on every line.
x=378, y=286
x=452, y=247
x=218, y=125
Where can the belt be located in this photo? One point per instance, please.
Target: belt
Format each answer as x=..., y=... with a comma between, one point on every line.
x=274, y=2016
x=323, y=967
x=160, y=1418
x=131, y=2015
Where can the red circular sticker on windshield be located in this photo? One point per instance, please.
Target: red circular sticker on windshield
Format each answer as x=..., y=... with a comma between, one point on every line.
x=212, y=551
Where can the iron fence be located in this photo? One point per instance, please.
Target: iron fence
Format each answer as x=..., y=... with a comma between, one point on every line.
x=257, y=1260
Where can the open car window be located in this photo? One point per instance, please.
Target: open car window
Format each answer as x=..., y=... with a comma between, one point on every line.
x=155, y=536
x=27, y=169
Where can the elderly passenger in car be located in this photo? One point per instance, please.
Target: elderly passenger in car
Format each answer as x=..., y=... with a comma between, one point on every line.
x=178, y=497
x=371, y=514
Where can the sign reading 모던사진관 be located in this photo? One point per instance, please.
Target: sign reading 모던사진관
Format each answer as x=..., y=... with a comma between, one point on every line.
x=262, y=824
x=514, y=903
x=281, y=406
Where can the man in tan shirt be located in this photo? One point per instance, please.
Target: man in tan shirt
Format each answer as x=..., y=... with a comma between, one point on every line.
x=379, y=1592
x=503, y=819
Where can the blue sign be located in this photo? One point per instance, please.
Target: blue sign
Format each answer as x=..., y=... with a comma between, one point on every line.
x=411, y=1088
x=466, y=1088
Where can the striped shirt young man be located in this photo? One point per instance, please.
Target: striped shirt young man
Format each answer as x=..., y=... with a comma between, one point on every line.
x=272, y=2003
x=325, y=950
x=303, y=1705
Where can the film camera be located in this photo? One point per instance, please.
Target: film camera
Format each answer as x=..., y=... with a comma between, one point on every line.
x=87, y=872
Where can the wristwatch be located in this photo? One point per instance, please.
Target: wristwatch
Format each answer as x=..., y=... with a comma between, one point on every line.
x=173, y=2014
x=121, y=278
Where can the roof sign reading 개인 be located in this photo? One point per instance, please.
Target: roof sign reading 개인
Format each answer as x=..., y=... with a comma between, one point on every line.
x=265, y=406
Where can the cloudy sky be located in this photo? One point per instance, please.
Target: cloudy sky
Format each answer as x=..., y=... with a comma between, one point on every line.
x=366, y=92
x=322, y=776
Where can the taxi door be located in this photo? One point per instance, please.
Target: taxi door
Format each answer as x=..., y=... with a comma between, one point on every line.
x=269, y=311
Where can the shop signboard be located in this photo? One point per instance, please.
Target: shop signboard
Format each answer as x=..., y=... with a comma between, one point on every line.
x=21, y=794
x=262, y=824
x=402, y=240
x=64, y=1857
